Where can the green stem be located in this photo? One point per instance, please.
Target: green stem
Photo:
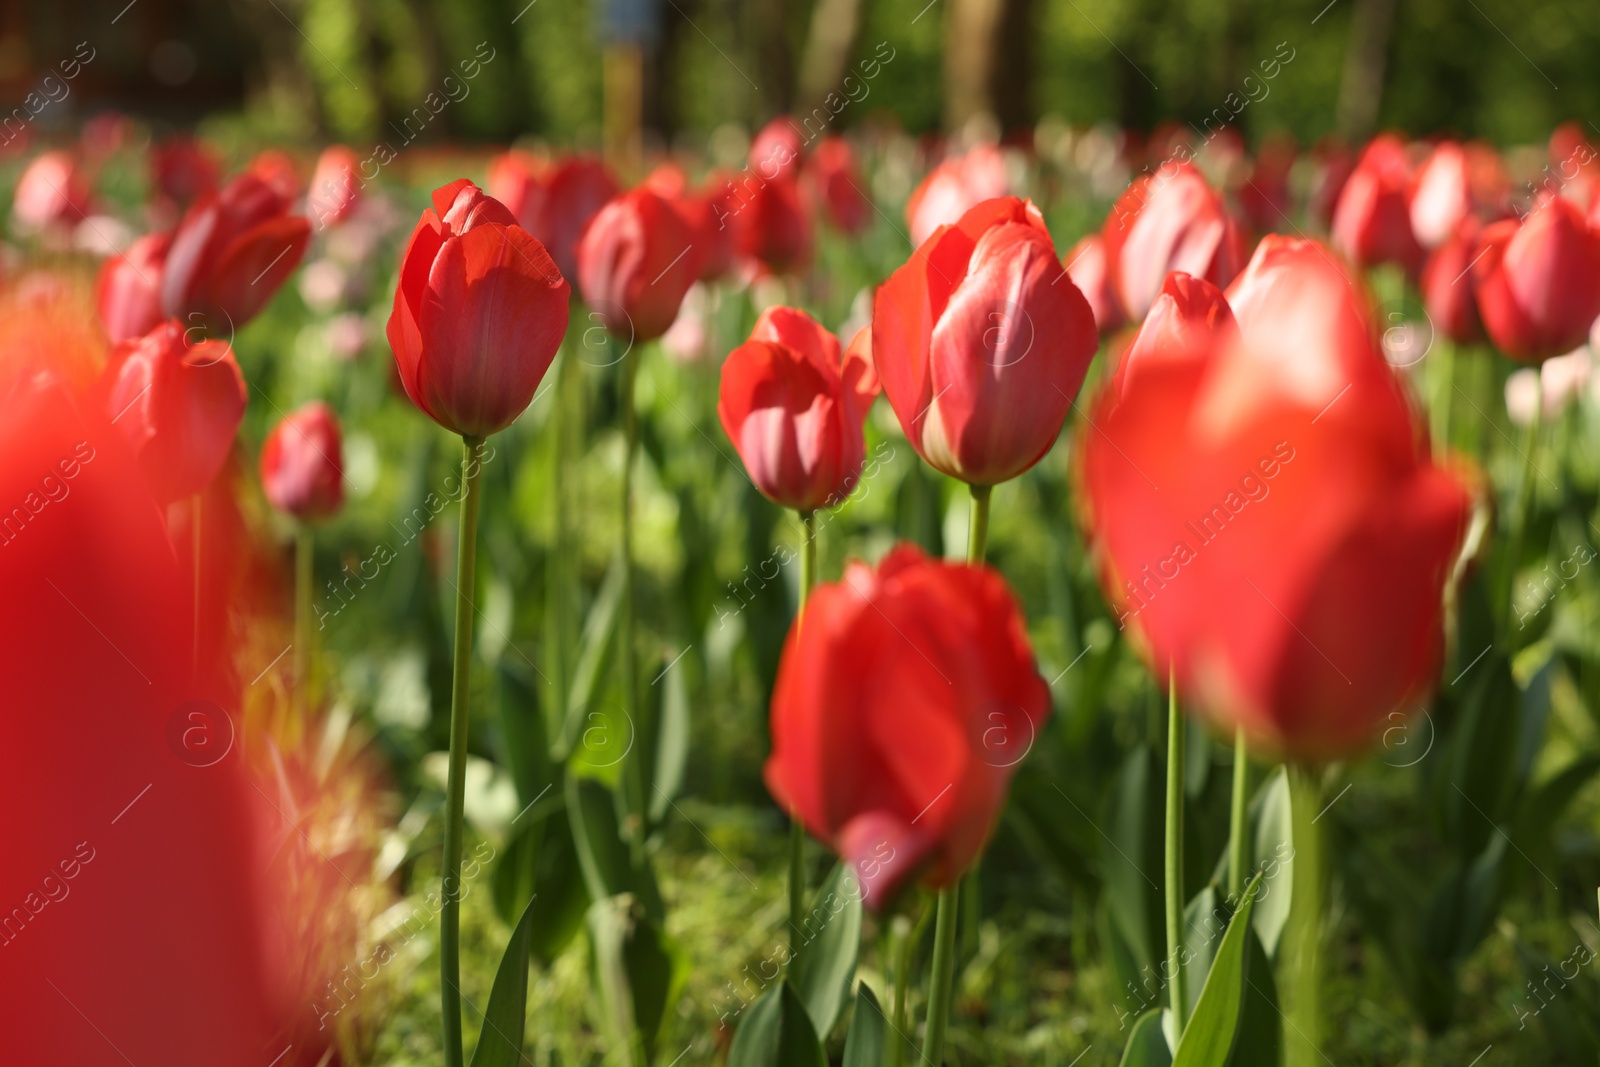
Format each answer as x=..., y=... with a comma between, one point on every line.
x=1447, y=371
x=1175, y=755
x=634, y=829
x=1303, y=1038
x=1238, y=845
x=944, y=968
x=1523, y=509
x=978, y=524
x=450, y=915
x=900, y=945
x=303, y=558
x=797, y=830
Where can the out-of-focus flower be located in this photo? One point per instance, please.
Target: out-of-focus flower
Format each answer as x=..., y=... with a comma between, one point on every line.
x=1166, y=221
x=323, y=284
x=556, y=204
x=686, y=339
x=279, y=171
x=184, y=170
x=1448, y=288
x=178, y=406
x=106, y=134
x=1263, y=189
x=1441, y=195
x=302, y=463
x=1538, y=281
x=1283, y=474
x=702, y=212
x=1372, y=223
x=793, y=406
x=128, y=290
x=902, y=707
x=982, y=342
x=478, y=315
x=775, y=151
x=231, y=253
x=1559, y=380
x=1188, y=319
x=347, y=335
x=833, y=172
x=1574, y=167
x=1332, y=164
x=52, y=192
x=635, y=262
x=517, y=180
x=335, y=186
x=771, y=224
x=1086, y=266
x=953, y=188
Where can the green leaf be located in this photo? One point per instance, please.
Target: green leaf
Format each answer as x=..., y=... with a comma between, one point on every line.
x=637, y=971
x=542, y=858
x=593, y=648
x=1545, y=802
x=1208, y=1039
x=1147, y=1045
x=869, y=1031
x=1260, y=1041
x=603, y=855
x=1480, y=754
x=500, y=1040
x=1274, y=851
x=527, y=752
x=1133, y=851
x=671, y=743
x=776, y=1033
x=1203, y=922
x=828, y=943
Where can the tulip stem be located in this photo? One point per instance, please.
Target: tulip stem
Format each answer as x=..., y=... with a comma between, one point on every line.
x=978, y=524
x=1303, y=934
x=1175, y=757
x=901, y=942
x=626, y=651
x=450, y=914
x=1523, y=508
x=1238, y=845
x=302, y=621
x=944, y=969
x=797, y=830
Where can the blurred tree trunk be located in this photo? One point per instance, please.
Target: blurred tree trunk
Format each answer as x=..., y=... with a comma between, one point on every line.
x=1365, y=57
x=663, y=101
x=1012, y=77
x=832, y=40
x=971, y=47
x=774, y=56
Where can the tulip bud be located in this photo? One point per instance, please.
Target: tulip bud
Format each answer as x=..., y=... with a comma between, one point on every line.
x=231, y=252
x=1372, y=223
x=335, y=187
x=775, y=151
x=902, y=707
x=128, y=290
x=982, y=341
x=279, y=172
x=478, y=315
x=1188, y=320
x=1447, y=286
x=184, y=170
x=178, y=406
x=1441, y=198
x=955, y=187
x=771, y=225
x=795, y=410
x=51, y=192
x=837, y=179
x=636, y=261
x=302, y=463
x=1538, y=281
x=1086, y=266
x=554, y=203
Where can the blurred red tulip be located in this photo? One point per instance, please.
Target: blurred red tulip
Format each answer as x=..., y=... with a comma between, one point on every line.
x=1447, y=285
x=478, y=315
x=1333, y=164
x=775, y=151
x=794, y=409
x=1166, y=221
x=517, y=180
x=231, y=253
x=982, y=342
x=635, y=262
x=953, y=188
x=1086, y=266
x=771, y=224
x=903, y=704
x=833, y=171
x=278, y=170
x=1538, y=281
x=1190, y=317
x=1441, y=194
x=1264, y=195
x=1269, y=519
x=335, y=186
x=1574, y=167
x=128, y=290
x=555, y=203
x=178, y=406
x=183, y=170
x=302, y=463
x=1372, y=222
x=702, y=212
x=52, y=191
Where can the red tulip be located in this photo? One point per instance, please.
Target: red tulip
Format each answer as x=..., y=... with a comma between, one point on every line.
x=1264, y=194
x=837, y=179
x=775, y=151
x=1372, y=223
x=982, y=342
x=1441, y=195
x=635, y=262
x=51, y=192
x=1538, y=281
x=517, y=180
x=302, y=463
x=335, y=186
x=1166, y=221
x=279, y=171
x=794, y=409
x=1086, y=266
x=1268, y=516
x=1333, y=165
x=128, y=290
x=953, y=188
x=184, y=170
x=478, y=315
x=555, y=204
x=231, y=253
x=178, y=406
x=701, y=212
x=1190, y=317
x=1447, y=286
x=771, y=224
x=902, y=706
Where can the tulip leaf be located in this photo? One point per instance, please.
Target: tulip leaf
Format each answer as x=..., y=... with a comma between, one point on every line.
x=526, y=751
x=1480, y=751
x=1134, y=836
x=826, y=947
x=670, y=741
x=1147, y=1045
x=594, y=645
x=1201, y=931
x=776, y=1033
x=505, y=1018
x=541, y=857
x=1209, y=1037
x=1260, y=1039
x=869, y=1031
x=1274, y=850
x=604, y=857
x=637, y=971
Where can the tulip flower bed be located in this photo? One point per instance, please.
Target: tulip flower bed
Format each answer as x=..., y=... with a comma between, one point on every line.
x=1110, y=602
